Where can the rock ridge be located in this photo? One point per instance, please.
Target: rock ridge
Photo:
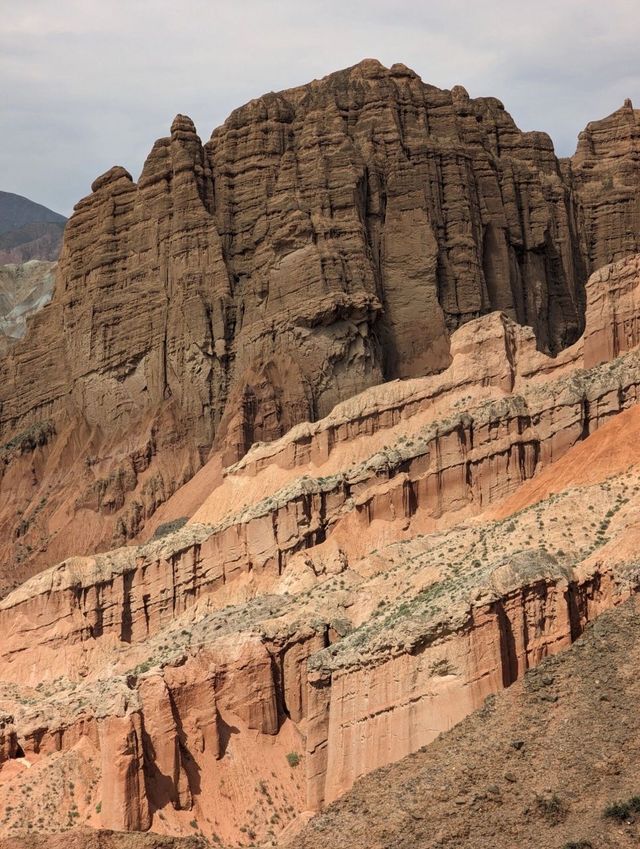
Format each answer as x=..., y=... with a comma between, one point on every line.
x=324, y=240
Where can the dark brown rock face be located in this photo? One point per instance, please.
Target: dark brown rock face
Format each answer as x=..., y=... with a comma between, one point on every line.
x=606, y=174
x=352, y=221
x=325, y=239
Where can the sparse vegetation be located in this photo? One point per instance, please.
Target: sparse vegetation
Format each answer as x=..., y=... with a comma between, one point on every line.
x=28, y=440
x=171, y=527
x=623, y=810
x=442, y=667
x=552, y=807
x=293, y=759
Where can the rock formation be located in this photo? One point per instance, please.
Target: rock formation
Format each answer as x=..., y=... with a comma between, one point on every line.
x=538, y=766
x=325, y=239
x=606, y=174
x=324, y=438
x=339, y=597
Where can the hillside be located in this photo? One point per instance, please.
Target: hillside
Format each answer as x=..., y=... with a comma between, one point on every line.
x=24, y=290
x=536, y=767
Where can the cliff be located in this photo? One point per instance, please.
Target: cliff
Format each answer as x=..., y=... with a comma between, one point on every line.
x=606, y=174
x=326, y=239
x=339, y=598
x=288, y=486
x=536, y=767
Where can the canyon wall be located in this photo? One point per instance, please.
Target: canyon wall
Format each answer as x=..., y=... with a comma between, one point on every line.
x=289, y=431
x=334, y=604
x=326, y=239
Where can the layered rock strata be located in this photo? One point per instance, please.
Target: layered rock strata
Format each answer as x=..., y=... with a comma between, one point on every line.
x=326, y=239
x=606, y=175
x=539, y=765
x=340, y=596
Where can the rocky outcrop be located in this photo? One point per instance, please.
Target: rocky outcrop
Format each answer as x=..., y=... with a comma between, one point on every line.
x=614, y=311
x=606, y=174
x=122, y=769
x=361, y=532
x=324, y=240
x=165, y=748
x=538, y=764
x=426, y=450
x=366, y=717
x=334, y=605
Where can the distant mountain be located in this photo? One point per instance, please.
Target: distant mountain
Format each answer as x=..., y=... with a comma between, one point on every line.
x=28, y=230
x=16, y=211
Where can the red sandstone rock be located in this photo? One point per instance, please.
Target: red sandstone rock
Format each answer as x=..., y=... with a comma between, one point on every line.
x=313, y=621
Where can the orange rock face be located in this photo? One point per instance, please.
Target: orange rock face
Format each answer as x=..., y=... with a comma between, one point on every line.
x=333, y=600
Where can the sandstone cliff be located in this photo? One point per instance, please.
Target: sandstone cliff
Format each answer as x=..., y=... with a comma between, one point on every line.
x=340, y=596
x=311, y=489
x=537, y=767
x=325, y=239
x=606, y=174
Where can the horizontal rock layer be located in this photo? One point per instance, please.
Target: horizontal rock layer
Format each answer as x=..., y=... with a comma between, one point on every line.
x=325, y=239
x=334, y=604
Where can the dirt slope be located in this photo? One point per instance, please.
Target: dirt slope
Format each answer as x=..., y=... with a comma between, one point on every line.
x=534, y=769
x=86, y=839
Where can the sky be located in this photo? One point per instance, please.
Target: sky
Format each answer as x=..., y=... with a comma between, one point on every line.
x=87, y=84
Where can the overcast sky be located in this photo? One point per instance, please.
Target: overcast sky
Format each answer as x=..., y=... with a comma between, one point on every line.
x=86, y=84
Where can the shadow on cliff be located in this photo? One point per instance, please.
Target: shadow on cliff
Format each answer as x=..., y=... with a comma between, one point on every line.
x=224, y=734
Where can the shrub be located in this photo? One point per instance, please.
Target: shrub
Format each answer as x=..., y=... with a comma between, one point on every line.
x=552, y=807
x=170, y=527
x=623, y=810
x=293, y=759
x=442, y=667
